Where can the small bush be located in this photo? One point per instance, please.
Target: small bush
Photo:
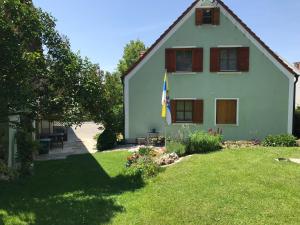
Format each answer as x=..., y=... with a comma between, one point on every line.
x=142, y=165
x=283, y=140
x=176, y=146
x=156, y=141
x=7, y=173
x=106, y=140
x=145, y=151
x=201, y=142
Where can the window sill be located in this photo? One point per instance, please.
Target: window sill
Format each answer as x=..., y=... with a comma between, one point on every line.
x=184, y=73
x=227, y=125
x=229, y=73
x=207, y=25
x=186, y=123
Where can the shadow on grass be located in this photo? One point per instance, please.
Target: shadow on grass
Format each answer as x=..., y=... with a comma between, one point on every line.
x=72, y=191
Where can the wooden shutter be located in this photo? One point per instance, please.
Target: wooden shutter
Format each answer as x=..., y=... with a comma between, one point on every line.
x=216, y=16
x=198, y=111
x=214, y=60
x=173, y=111
x=226, y=112
x=243, y=59
x=198, y=60
x=170, y=61
x=199, y=17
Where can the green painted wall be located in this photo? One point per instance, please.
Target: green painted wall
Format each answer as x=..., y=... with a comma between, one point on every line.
x=263, y=92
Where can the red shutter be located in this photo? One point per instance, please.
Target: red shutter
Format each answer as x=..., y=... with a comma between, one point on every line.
x=243, y=59
x=198, y=111
x=214, y=60
x=199, y=17
x=216, y=16
x=173, y=111
x=198, y=60
x=170, y=62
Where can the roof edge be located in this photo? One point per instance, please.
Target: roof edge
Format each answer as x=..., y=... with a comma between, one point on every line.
x=160, y=38
x=287, y=66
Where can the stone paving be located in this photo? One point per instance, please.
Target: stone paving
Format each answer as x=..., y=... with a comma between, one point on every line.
x=80, y=141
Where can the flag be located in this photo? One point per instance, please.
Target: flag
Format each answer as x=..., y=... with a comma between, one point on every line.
x=165, y=102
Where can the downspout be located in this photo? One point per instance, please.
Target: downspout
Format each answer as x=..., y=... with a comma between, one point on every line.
x=123, y=84
x=294, y=106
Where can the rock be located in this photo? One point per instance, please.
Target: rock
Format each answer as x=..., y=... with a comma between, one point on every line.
x=167, y=159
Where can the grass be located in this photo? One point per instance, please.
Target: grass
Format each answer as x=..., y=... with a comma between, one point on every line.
x=228, y=187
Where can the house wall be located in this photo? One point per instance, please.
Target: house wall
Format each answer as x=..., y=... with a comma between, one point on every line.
x=298, y=95
x=263, y=92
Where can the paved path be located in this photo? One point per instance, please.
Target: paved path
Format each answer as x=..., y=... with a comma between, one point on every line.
x=80, y=141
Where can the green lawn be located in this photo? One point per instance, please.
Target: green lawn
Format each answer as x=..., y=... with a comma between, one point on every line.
x=229, y=187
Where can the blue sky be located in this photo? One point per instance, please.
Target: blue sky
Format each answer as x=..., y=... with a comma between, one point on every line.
x=99, y=29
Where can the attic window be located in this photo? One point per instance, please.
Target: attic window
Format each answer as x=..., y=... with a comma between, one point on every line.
x=207, y=16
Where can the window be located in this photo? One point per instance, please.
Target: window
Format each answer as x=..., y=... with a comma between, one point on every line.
x=207, y=16
x=226, y=111
x=184, y=60
x=228, y=59
x=184, y=111
x=187, y=111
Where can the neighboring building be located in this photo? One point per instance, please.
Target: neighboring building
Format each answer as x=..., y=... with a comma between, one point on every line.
x=8, y=144
x=221, y=75
x=297, y=66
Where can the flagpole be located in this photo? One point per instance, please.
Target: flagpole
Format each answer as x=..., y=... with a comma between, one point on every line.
x=165, y=136
x=166, y=72
x=165, y=106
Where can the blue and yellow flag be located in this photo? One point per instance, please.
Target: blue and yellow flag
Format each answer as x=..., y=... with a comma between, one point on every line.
x=165, y=102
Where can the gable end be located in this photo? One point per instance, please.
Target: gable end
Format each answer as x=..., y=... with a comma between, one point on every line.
x=227, y=10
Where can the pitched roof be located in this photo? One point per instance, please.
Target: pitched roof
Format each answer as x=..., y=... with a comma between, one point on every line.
x=286, y=65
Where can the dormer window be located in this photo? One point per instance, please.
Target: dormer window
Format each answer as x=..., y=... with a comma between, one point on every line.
x=207, y=16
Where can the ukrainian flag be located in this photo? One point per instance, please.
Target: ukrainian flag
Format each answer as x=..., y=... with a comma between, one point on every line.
x=165, y=101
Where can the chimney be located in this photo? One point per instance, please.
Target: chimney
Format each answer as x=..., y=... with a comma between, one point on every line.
x=297, y=65
x=142, y=53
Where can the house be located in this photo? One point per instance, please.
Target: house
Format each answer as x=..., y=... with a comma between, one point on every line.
x=221, y=75
x=297, y=66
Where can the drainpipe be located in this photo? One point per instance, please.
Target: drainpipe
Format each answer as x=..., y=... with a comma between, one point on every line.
x=294, y=106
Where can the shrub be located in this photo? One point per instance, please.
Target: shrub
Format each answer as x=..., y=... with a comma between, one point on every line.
x=176, y=146
x=157, y=141
x=283, y=140
x=145, y=151
x=106, y=140
x=25, y=151
x=7, y=173
x=141, y=165
x=201, y=142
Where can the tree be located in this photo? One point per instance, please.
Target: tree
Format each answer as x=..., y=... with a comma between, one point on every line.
x=113, y=97
x=112, y=108
x=39, y=74
x=132, y=52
